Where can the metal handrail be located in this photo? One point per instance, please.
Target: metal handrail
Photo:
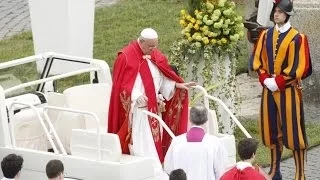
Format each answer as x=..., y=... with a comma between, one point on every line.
x=207, y=96
x=42, y=124
x=50, y=79
x=21, y=61
x=41, y=57
x=95, y=117
x=162, y=123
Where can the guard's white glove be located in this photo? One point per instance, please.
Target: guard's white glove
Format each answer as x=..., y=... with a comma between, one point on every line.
x=142, y=100
x=271, y=84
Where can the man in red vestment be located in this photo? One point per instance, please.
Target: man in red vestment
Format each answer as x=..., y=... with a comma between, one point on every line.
x=143, y=79
x=244, y=170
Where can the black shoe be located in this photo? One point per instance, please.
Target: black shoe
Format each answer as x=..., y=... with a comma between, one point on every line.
x=277, y=176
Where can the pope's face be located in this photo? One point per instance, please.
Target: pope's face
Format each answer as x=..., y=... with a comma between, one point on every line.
x=279, y=16
x=148, y=45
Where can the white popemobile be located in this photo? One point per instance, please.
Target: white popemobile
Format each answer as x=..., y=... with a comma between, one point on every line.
x=73, y=123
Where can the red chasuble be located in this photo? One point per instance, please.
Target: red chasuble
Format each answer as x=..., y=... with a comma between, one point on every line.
x=246, y=174
x=126, y=68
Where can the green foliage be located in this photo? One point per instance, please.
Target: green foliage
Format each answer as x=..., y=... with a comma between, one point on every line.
x=210, y=66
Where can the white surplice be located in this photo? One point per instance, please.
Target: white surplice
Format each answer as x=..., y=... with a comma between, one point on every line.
x=200, y=160
x=143, y=144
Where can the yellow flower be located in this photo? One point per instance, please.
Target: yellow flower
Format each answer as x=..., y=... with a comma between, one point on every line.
x=205, y=40
x=205, y=28
x=205, y=18
x=198, y=44
x=198, y=38
x=217, y=12
x=183, y=12
x=187, y=29
x=209, y=22
x=232, y=38
x=227, y=12
x=183, y=22
x=240, y=25
x=198, y=22
x=209, y=5
x=232, y=4
x=225, y=31
x=236, y=36
x=198, y=16
x=211, y=34
x=189, y=17
x=214, y=17
x=227, y=21
x=224, y=40
x=217, y=25
x=196, y=27
x=206, y=32
x=241, y=34
x=221, y=3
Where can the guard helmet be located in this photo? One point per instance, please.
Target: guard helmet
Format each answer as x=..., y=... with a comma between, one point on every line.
x=285, y=5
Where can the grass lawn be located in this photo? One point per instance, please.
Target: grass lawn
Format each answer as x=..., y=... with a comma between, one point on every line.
x=263, y=154
x=115, y=26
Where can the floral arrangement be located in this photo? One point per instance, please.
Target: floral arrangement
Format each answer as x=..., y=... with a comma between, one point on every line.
x=208, y=51
x=211, y=22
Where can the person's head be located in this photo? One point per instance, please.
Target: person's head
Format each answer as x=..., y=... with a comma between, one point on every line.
x=55, y=169
x=11, y=166
x=247, y=149
x=198, y=115
x=148, y=40
x=178, y=174
x=282, y=10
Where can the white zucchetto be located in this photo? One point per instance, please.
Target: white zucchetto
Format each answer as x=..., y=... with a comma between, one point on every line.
x=149, y=33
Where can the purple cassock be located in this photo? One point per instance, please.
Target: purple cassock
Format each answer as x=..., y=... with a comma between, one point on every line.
x=195, y=134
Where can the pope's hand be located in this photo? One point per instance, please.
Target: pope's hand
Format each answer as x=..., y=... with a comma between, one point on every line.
x=142, y=100
x=185, y=85
x=271, y=84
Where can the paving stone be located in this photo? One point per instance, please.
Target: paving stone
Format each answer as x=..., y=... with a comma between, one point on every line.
x=16, y=12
